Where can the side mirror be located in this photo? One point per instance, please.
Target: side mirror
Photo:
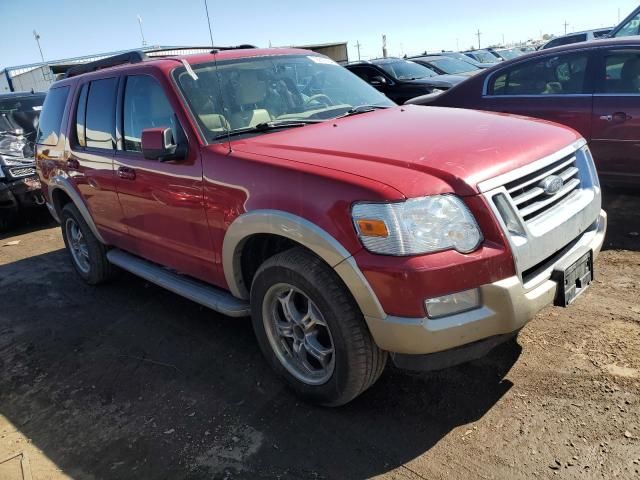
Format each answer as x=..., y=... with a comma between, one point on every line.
x=378, y=81
x=159, y=144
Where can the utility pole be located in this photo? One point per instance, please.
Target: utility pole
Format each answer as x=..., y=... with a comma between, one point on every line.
x=618, y=14
x=457, y=45
x=358, y=45
x=478, y=34
x=384, y=46
x=503, y=44
x=144, y=42
x=565, y=27
x=37, y=37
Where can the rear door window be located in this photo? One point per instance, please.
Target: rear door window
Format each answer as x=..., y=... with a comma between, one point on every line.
x=622, y=72
x=51, y=117
x=557, y=75
x=100, y=114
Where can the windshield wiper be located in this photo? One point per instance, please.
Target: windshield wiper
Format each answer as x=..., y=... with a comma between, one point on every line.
x=266, y=126
x=361, y=109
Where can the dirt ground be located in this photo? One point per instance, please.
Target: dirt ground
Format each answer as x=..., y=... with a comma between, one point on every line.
x=130, y=381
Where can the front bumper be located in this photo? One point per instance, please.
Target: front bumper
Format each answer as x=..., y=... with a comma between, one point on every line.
x=21, y=193
x=507, y=305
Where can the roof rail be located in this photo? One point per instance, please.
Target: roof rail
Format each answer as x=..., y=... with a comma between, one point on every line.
x=243, y=46
x=135, y=56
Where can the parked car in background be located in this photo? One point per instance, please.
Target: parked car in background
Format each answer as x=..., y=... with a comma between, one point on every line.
x=483, y=56
x=443, y=65
x=628, y=27
x=19, y=183
x=507, y=53
x=274, y=183
x=464, y=58
x=593, y=87
x=577, y=37
x=400, y=79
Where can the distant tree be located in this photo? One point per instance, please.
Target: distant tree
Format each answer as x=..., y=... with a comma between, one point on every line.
x=547, y=36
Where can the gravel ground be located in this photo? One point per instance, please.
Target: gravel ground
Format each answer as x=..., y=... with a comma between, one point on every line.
x=130, y=381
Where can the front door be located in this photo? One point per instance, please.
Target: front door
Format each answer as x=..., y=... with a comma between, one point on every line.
x=162, y=201
x=616, y=117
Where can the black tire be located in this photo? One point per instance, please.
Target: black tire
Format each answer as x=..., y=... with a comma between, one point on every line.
x=357, y=362
x=99, y=268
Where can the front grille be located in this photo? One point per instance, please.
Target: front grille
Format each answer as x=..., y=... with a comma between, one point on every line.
x=530, y=199
x=17, y=172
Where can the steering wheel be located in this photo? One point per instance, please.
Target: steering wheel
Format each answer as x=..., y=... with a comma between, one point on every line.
x=320, y=97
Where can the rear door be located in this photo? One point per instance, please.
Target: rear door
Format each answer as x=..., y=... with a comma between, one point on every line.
x=90, y=162
x=616, y=116
x=557, y=87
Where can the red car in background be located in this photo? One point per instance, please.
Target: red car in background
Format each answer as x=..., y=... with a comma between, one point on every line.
x=593, y=87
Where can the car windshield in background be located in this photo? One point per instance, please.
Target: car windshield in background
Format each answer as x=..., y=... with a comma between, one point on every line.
x=452, y=65
x=242, y=93
x=406, y=70
x=486, y=57
x=510, y=53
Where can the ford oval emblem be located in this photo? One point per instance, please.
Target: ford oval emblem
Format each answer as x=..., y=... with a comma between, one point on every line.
x=551, y=185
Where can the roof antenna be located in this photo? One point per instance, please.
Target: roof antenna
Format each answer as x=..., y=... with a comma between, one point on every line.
x=214, y=51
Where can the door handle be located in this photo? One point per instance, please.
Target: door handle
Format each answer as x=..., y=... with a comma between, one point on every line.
x=617, y=117
x=73, y=164
x=126, y=173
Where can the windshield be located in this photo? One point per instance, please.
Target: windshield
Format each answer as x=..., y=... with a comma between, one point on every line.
x=629, y=28
x=246, y=92
x=462, y=57
x=452, y=65
x=486, y=57
x=21, y=112
x=406, y=70
x=509, y=54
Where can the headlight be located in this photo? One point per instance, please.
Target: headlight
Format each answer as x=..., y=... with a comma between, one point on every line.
x=416, y=226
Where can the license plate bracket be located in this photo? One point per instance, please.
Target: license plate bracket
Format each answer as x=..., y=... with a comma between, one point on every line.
x=573, y=280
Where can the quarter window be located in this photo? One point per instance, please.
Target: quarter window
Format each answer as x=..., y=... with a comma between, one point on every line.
x=100, y=113
x=81, y=112
x=629, y=28
x=622, y=72
x=558, y=75
x=145, y=106
x=51, y=117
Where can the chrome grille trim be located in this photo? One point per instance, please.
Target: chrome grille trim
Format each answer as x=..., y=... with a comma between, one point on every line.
x=546, y=224
x=17, y=172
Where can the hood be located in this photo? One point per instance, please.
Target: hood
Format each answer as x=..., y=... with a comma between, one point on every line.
x=417, y=150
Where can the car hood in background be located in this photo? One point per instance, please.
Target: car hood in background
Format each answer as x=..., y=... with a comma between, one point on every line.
x=406, y=147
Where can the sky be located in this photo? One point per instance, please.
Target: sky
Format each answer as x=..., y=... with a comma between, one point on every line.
x=70, y=28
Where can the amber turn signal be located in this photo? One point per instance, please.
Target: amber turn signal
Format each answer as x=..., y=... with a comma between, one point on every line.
x=372, y=228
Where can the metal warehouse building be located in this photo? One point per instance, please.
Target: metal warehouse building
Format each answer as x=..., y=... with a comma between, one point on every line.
x=38, y=76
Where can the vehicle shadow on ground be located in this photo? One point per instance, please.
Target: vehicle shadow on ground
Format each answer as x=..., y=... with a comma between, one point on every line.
x=128, y=380
x=32, y=221
x=623, y=210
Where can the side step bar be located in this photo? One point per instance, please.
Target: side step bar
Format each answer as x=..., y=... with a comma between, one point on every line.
x=200, y=292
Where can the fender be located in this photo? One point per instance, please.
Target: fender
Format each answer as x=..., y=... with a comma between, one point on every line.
x=305, y=233
x=60, y=182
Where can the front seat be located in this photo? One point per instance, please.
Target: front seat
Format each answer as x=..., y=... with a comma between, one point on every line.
x=250, y=92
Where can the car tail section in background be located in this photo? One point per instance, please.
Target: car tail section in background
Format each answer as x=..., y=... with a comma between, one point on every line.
x=19, y=183
x=577, y=37
x=592, y=87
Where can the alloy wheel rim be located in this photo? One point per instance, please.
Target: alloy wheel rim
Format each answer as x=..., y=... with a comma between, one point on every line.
x=298, y=334
x=77, y=245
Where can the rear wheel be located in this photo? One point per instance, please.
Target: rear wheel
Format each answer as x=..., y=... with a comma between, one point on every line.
x=88, y=255
x=311, y=331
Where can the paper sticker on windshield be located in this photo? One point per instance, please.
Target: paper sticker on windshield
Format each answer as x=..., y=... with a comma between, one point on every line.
x=325, y=60
x=37, y=108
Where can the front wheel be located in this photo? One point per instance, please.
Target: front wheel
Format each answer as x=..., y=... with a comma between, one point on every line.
x=311, y=331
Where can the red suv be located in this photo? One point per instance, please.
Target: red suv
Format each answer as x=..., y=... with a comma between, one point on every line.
x=277, y=184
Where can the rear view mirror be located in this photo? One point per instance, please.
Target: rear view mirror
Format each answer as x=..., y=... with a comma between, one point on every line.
x=159, y=144
x=378, y=81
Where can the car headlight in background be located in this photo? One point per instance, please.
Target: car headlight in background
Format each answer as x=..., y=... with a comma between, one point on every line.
x=11, y=146
x=417, y=226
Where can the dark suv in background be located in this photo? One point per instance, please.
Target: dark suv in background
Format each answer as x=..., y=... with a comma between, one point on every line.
x=399, y=79
x=19, y=183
